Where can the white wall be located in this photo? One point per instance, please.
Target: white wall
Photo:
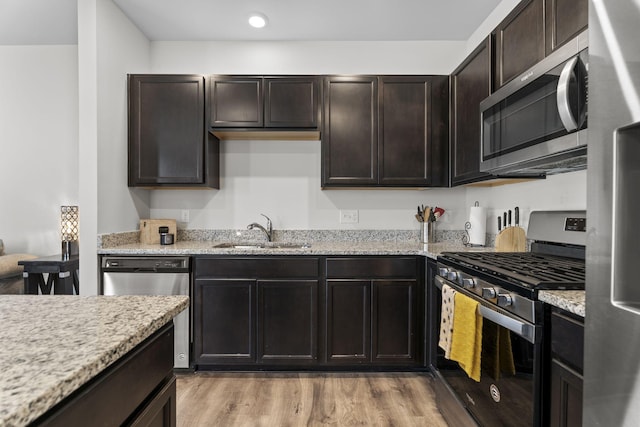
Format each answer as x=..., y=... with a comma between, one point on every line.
x=556, y=192
x=282, y=180
x=38, y=144
x=122, y=49
x=258, y=57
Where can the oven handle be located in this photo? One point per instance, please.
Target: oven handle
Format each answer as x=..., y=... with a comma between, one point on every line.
x=523, y=329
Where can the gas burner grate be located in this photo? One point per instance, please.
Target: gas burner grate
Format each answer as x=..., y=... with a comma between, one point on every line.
x=539, y=271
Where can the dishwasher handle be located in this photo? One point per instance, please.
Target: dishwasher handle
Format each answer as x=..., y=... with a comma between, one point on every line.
x=141, y=264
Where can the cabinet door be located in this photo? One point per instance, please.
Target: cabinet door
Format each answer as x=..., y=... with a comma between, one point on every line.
x=470, y=84
x=160, y=411
x=235, y=101
x=404, y=141
x=520, y=41
x=291, y=102
x=350, y=129
x=166, y=130
x=224, y=321
x=287, y=321
x=394, y=321
x=566, y=396
x=348, y=326
x=565, y=19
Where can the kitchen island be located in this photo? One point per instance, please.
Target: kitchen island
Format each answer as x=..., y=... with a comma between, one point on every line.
x=54, y=349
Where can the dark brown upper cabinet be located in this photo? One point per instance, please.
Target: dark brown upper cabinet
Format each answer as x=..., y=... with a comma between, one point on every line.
x=533, y=30
x=292, y=102
x=470, y=84
x=235, y=101
x=168, y=144
x=263, y=103
x=412, y=123
x=565, y=19
x=350, y=131
x=385, y=131
x=519, y=41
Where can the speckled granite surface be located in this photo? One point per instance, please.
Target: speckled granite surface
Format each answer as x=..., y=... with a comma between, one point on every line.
x=322, y=242
x=52, y=344
x=572, y=301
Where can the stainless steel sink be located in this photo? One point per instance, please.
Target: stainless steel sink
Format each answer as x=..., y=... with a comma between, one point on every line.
x=265, y=245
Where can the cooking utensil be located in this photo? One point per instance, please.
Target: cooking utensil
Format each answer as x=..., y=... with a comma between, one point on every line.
x=516, y=212
x=504, y=219
x=499, y=223
x=509, y=217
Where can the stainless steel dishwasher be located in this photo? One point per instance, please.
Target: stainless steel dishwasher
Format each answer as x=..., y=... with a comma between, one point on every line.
x=143, y=275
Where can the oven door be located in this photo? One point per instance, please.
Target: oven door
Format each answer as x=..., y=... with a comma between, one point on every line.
x=509, y=391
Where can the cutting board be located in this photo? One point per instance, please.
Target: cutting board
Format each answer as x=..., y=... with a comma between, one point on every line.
x=149, y=234
x=511, y=239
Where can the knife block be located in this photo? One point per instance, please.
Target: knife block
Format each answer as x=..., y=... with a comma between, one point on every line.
x=511, y=239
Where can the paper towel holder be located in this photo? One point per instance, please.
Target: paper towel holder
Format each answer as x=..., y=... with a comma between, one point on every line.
x=467, y=226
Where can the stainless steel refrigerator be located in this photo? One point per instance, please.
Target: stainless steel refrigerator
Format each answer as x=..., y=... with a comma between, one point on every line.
x=612, y=324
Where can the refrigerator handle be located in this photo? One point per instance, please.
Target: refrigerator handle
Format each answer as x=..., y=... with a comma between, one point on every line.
x=625, y=292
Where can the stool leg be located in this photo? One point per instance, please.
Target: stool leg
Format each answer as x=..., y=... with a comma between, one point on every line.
x=46, y=288
x=63, y=284
x=32, y=282
x=76, y=282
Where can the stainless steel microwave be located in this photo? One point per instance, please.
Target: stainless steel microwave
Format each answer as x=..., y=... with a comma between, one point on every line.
x=537, y=123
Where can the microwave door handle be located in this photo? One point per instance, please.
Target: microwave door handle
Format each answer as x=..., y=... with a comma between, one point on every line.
x=562, y=95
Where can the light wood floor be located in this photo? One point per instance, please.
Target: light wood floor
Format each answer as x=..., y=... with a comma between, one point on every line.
x=306, y=399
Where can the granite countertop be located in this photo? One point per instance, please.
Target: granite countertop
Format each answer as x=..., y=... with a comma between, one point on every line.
x=571, y=301
x=50, y=345
x=198, y=247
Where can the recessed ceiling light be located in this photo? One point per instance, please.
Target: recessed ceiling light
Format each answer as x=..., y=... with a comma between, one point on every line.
x=257, y=20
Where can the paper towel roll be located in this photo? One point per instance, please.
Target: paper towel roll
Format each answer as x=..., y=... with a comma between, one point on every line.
x=478, y=226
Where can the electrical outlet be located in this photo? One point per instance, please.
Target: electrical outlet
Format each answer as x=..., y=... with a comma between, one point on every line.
x=348, y=216
x=184, y=215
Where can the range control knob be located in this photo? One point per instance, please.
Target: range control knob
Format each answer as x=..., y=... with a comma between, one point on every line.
x=469, y=283
x=442, y=271
x=453, y=276
x=505, y=300
x=488, y=293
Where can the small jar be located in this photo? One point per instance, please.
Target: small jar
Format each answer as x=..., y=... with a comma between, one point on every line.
x=166, y=238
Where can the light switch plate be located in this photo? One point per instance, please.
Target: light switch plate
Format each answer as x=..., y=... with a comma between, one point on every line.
x=184, y=215
x=349, y=216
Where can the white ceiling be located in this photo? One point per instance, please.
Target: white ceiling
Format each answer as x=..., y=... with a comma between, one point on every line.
x=54, y=21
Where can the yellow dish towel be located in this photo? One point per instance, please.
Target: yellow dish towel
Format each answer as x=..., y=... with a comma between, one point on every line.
x=466, y=342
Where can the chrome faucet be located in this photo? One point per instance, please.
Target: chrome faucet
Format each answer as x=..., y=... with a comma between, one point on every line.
x=267, y=231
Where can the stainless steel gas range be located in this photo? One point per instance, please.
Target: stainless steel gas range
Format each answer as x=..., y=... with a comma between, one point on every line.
x=506, y=286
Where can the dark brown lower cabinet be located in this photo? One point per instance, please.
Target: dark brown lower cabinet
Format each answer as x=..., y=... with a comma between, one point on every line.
x=394, y=319
x=372, y=310
x=224, y=316
x=567, y=354
x=256, y=311
x=348, y=321
x=287, y=321
x=137, y=390
x=371, y=322
x=286, y=312
x=566, y=396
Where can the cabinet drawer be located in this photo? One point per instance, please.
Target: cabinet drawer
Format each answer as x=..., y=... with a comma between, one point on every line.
x=372, y=267
x=567, y=339
x=257, y=267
